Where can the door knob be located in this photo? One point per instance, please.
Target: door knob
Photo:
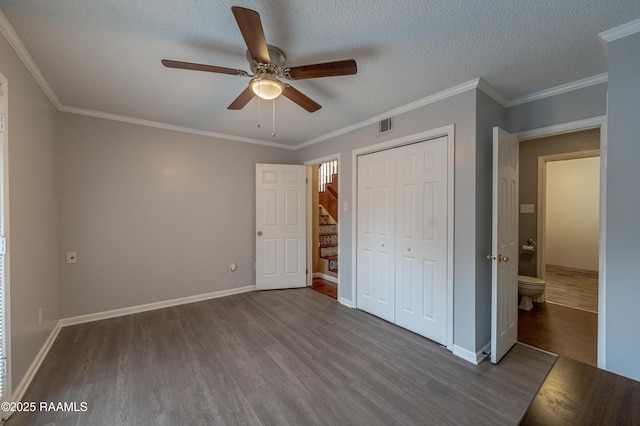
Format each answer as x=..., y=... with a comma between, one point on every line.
x=259, y=233
x=382, y=245
x=408, y=248
x=502, y=258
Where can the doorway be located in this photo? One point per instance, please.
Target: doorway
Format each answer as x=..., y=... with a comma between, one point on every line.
x=323, y=222
x=559, y=240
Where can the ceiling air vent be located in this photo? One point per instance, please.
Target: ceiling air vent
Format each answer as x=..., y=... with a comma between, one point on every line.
x=385, y=126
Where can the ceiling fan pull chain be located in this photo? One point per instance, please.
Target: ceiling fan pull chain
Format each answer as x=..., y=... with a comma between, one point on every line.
x=273, y=122
x=258, y=112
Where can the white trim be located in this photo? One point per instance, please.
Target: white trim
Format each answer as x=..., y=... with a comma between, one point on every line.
x=6, y=311
x=449, y=132
x=346, y=302
x=564, y=88
x=474, y=358
x=35, y=365
x=488, y=90
x=14, y=40
x=81, y=319
x=470, y=85
x=620, y=31
x=164, y=126
x=590, y=123
x=325, y=276
x=310, y=163
x=572, y=126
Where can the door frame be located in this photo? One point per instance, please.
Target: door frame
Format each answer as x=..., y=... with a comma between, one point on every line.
x=309, y=218
x=4, y=193
x=599, y=122
x=542, y=200
x=449, y=132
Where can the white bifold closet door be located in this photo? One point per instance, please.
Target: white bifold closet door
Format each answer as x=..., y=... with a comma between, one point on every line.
x=402, y=236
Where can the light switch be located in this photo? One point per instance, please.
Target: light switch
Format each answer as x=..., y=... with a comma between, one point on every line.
x=345, y=207
x=527, y=208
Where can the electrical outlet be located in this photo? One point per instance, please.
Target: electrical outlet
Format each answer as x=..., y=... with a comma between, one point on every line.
x=72, y=257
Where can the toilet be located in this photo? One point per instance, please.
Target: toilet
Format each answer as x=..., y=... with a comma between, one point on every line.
x=530, y=289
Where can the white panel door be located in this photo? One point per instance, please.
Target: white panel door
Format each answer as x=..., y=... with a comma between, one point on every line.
x=421, y=238
x=375, y=234
x=280, y=226
x=504, y=255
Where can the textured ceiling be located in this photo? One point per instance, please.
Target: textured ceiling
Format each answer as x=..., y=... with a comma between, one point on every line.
x=104, y=55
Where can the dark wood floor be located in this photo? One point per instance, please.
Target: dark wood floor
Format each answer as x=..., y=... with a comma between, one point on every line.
x=325, y=287
x=568, y=332
x=273, y=357
x=575, y=393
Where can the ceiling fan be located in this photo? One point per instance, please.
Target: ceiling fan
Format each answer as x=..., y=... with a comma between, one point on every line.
x=267, y=64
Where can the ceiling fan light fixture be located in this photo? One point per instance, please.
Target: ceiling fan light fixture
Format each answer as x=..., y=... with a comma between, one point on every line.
x=266, y=87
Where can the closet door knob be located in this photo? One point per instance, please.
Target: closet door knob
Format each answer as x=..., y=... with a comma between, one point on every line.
x=408, y=248
x=382, y=245
x=259, y=233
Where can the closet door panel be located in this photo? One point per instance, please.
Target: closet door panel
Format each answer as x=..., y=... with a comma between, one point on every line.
x=376, y=234
x=421, y=243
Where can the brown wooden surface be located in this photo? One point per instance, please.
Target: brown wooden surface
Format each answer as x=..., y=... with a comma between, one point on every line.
x=285, y=357
x=578, y=394
x=568, y=332
x=325, y=287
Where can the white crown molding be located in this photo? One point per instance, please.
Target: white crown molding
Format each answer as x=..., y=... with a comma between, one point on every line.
x=620, y=31
x=164, y=126
x=12, y=37
x=14, y=40
x=470, y=85
x=569, y=87
x=488, y=90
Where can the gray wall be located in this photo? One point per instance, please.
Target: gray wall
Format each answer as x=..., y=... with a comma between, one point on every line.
x=461, y=111
x=623, y=209
x=489, y=115
x=34, y=213
x=571, y=106
x=154, y=214
x=530, y=150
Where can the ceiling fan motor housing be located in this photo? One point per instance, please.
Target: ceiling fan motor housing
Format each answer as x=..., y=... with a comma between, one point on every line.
x=273, y=68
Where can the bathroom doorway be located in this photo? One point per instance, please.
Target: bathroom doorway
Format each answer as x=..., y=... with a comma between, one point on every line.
x=559, y=218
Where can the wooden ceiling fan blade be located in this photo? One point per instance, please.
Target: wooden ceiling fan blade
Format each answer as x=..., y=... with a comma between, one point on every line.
x=251, y=28
x=242, y=99
x=301, y=99
x=200, y=67
x=326, y=69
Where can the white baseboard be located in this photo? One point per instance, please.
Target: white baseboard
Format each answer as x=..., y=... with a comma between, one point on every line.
x=473, y=357
x=152, y=306
x=346, y=302
x=19, y=391
x=325, y=277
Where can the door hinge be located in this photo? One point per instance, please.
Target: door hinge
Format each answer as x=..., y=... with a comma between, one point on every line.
x=3, y=246
x=3, y=122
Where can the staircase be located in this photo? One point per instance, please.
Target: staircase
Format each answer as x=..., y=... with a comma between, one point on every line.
x=328, y=238
x=328, y=213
